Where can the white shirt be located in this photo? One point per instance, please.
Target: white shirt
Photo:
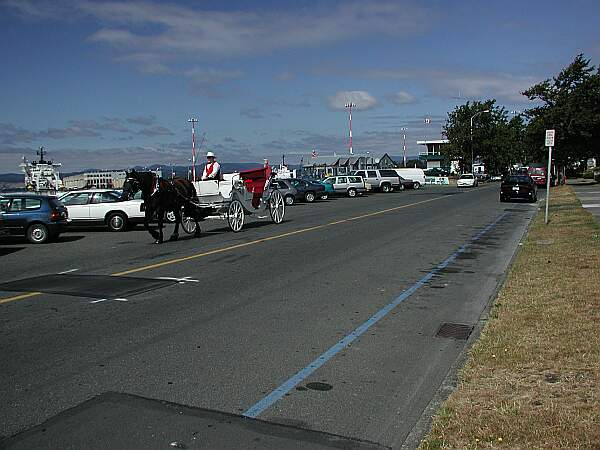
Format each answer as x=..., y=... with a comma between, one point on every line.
x=214, y=174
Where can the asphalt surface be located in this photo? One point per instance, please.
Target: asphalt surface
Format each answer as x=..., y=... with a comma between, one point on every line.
x=257, y=308
x=589, y=196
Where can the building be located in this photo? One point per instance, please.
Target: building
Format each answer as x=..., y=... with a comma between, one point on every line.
x=432, y=157
x=101, y=179
x=324, y=166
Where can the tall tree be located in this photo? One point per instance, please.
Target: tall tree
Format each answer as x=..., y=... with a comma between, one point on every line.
x=570, y=104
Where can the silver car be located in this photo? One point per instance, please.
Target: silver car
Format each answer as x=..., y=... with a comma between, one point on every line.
x=350, y=185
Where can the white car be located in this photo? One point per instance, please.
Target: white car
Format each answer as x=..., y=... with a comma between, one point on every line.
x=466, y=180
x=102, y=206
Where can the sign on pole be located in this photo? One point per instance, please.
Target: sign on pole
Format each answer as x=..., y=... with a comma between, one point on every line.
x=549, y=143
x=550, y=138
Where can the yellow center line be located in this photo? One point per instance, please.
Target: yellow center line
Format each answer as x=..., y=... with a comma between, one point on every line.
x=245, y=244
x=18, y=297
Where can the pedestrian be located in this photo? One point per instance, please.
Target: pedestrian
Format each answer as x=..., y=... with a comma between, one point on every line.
x=212, y=169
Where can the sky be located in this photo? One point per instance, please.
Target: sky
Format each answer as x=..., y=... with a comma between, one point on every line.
x=112, y=84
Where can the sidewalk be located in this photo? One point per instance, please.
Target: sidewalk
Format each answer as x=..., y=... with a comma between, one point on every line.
x=588, y=193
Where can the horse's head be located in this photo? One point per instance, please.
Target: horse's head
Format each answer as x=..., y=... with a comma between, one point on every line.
x=132, y=184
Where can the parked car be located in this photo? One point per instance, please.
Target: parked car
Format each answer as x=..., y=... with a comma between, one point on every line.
x=436, y=172
x=407, y=184
x=350, y=185
x=290, y=193
x=310, y=191
x=103, y=206
x=518, y=187
x=38, y=217
x=466, y=180
x=417, y=175
x=384, y=180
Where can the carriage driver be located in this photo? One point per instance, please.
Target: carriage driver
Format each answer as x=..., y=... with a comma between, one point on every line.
x=212, y=169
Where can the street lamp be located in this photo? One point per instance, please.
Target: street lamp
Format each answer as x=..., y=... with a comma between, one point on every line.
x=472, y=154
x=403, y=129
x=350, y=105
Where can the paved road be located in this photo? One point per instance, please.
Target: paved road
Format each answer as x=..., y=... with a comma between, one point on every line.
x=344, y=298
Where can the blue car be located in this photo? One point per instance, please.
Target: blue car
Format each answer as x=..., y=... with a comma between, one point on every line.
x=38, y=217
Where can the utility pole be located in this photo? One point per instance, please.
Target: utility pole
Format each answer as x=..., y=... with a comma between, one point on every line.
x=350, y=105
x=403, y=129
x=193, y=121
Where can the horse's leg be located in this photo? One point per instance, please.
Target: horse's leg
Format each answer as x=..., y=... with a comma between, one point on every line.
x=148, y=213
x=177, y=213
x=160, y=213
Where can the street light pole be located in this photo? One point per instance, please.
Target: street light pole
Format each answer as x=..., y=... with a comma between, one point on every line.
x=193, y=121
x=472, y=153
x=403, y=129
x=350, y=105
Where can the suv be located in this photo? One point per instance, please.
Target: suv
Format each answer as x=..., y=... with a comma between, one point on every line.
x=38, y=217
x=350, y=185
x=385, y=180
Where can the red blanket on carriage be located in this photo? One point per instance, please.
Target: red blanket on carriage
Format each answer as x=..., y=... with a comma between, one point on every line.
x=255, y=181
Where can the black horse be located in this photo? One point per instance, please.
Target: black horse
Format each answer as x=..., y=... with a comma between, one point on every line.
x=161, y=196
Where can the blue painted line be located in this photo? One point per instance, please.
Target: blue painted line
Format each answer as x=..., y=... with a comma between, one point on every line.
x=275, y=395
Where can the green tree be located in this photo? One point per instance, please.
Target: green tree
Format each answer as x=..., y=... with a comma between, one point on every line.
x=570, y=104
x=493, y=140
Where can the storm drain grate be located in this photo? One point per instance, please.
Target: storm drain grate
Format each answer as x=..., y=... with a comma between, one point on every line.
x=455, y=330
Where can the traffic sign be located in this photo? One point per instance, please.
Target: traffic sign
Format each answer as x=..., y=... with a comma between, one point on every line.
x=550, y=138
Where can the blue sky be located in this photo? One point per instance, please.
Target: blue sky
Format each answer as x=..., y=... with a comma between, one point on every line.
x=112, y=84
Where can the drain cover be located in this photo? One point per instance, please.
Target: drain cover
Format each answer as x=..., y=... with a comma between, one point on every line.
x=94, y=286
x=454, y=330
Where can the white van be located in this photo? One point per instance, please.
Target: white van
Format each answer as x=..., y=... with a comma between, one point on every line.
x=417, y=175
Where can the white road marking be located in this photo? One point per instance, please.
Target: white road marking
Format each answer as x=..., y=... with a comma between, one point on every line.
x=180, y=280
x=591, y=205
x=68, y=271
x=109, y=299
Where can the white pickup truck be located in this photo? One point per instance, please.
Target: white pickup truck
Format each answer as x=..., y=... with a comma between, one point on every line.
x=103, y=207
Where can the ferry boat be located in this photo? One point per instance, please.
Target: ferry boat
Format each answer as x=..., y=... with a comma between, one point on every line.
x=42, y=176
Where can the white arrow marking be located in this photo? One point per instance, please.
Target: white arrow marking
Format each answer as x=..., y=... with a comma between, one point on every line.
x=68, y=271
x=180, y=280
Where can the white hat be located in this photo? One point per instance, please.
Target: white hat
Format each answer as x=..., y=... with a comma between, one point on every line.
x=210, y=154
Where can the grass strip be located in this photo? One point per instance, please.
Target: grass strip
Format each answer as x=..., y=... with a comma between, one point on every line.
x=532, y=380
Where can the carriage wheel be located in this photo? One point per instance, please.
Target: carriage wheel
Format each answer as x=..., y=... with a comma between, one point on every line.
x=276, y=207
x=188, y=224
x=235, y=216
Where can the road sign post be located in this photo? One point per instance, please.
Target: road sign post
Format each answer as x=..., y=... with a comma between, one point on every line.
x=549, y=143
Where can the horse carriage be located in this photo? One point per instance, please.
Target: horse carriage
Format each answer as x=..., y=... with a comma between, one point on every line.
x=232, y=199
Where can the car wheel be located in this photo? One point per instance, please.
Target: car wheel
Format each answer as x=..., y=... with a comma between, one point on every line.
x=309, y=197
x=417, y=185
x=289, y=200
x=37, y=233
x=170, y=216
x=351, y=192
x=117, y=222
x=385, y=188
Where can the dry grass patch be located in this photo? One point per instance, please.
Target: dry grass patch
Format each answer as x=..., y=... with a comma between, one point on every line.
x=533, y=378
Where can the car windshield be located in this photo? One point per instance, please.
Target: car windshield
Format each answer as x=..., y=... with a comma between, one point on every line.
x=467, y=176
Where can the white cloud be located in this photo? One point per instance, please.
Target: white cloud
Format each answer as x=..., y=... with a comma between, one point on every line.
x=362, y=99
x=402, y=98
x=155, y=34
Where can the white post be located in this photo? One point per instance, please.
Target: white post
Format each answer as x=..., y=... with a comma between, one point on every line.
x=548, y=182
